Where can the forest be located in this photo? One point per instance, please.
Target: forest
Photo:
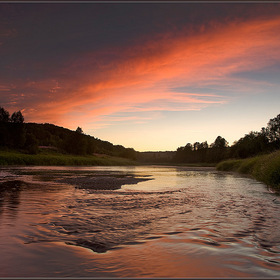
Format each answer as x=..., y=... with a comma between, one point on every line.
x=254, y=143
x=29, y=137
x=17, y=135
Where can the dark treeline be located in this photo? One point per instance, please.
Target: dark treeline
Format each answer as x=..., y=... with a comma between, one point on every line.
x=265, y=141
x=155, y=157
x=28, y=137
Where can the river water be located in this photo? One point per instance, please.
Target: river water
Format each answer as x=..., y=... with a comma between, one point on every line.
x=170, y=222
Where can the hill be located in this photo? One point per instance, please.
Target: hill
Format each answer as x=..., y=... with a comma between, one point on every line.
x=29, y=138
x=74, y=142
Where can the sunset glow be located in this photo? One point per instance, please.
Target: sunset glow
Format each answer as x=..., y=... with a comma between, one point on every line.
x=151, y=87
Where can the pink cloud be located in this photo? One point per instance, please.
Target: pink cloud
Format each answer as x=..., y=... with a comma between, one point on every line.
x=140, y=77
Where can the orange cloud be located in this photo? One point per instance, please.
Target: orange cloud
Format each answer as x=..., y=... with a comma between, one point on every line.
x=141, y=77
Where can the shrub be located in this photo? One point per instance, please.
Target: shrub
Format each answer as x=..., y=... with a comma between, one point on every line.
x=265, y=168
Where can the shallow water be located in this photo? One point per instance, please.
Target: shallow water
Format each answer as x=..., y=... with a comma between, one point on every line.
x=182, y=222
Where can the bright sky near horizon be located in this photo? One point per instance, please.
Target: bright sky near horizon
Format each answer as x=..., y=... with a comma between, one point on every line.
x=151, y=76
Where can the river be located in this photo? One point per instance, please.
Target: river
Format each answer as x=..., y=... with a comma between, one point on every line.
x=161, y=222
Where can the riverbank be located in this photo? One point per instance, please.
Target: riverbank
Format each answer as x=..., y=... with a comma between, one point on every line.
x=58, y=159
x=264, y=168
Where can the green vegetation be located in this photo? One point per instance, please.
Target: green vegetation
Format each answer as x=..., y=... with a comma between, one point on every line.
x=55, y=158
x=256, y=154
x=264, y=168
x=46, y=144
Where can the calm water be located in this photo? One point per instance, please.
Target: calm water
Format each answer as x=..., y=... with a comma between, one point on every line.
x=183, y=222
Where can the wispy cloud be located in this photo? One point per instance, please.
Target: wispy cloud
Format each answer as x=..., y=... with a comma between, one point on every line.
x=148, y=75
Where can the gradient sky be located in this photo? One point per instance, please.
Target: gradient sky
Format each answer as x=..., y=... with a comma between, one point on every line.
x=151, y=76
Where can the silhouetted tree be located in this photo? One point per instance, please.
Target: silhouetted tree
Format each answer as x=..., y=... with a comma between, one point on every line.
x=203, y=145
x=184, y=154
x=4, y=115
x=17, y=117
x=220, y=143
x=251, y=144
x=218, y=150
x=179, y=155
x=18, y=130
x=196, y=146
x=79, y=130
x=202, y=152
x=273, y=131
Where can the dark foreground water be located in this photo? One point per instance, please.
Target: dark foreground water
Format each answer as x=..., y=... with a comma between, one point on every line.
x=162, y=222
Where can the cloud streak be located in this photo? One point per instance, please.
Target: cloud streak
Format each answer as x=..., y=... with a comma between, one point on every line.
x=94, y=86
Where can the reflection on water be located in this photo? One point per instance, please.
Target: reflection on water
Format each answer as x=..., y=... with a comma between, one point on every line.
x=9, y=202
x=183, y=222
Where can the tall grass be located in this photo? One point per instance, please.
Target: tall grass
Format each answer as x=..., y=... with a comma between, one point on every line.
x=17, y=158
x=265, y=168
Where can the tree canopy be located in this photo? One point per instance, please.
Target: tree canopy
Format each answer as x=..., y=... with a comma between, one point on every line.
x=4, y=115
x=253, y=143
x=28, y=137
x=17, y=117
x=16, y=134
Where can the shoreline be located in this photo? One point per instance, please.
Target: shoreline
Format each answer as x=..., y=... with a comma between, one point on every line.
x=263, y=168
x=15, y=158
x=53, y=158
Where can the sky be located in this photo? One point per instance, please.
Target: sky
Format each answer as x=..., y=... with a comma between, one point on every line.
x=149, y=76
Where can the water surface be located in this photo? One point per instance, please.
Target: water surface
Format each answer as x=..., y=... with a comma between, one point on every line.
x=162, y=222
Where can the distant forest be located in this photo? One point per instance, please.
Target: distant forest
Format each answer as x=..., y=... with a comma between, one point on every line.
x=254, y=143
x=29, y=137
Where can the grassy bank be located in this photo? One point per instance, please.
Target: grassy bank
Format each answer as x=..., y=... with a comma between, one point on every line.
x=53, y=158
x=265, y=168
